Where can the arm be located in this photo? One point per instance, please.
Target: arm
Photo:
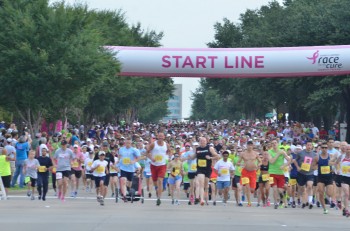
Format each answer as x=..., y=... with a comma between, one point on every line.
x=215, y=155
x=148, y=152
x=272, y=160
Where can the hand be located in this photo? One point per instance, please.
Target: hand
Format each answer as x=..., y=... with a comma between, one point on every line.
x=207, y=157
x=298, y=169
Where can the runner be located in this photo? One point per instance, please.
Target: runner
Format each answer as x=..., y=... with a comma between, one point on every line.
x=276, y=171
x=325, y=180
x=43, y=173
x=305, y=164
x=205, y=154
x=30, y=168
x=252, y=162
x=345, y=172
x=76, y=171
x=5, y=169
x=158, y=152
x=189, y=156
x=88, y=173
x=100, y=169
x=212, y=191
x=264, y=178
x=175, y=178
x=293, y=175
x=128, y=156
x=236, y=181
x=63, y=157
x=225, y=170
x=113, y=173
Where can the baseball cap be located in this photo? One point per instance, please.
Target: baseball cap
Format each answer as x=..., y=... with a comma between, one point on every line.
x=187, y=144
x=88, y=140
x=100, y=153
x=105, y=144
x=64, y=142
x=176, y=155
x=226, y=152
x=9, y=140
x=177, y=146
x=76, y=146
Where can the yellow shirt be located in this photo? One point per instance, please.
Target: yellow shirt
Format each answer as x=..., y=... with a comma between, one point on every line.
x=5, y=167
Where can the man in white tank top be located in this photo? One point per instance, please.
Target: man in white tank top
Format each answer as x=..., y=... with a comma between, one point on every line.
x=158, y=152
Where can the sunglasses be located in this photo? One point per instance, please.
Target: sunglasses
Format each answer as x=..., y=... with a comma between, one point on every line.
x=324, y=147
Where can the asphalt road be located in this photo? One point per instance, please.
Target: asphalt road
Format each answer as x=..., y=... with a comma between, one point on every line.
x=84, y=213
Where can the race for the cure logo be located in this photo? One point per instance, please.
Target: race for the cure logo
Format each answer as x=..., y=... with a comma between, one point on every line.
x=326, y=62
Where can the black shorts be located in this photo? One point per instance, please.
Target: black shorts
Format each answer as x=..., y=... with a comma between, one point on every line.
x=32, y=182
x=315, y=181
x=89, y=176
x=286, y=180
x=186, y=186
x=127, y=175
x=206, y=172
x=64, y=173
x=98, y=180
x=302, y=179
x=106, y=181
x=338, y=179
x=77, y=173
x=192, y=175
x=6, y=180
x=113, y=174
x=236, y=180
x=345, y=180
x=326, y=180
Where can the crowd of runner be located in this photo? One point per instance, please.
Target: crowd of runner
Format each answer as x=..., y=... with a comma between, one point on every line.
x=301, y=165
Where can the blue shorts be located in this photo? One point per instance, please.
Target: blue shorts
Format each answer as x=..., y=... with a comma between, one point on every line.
x=172, y=180
x=147, y=175
x=222, y=184
x=98, y=179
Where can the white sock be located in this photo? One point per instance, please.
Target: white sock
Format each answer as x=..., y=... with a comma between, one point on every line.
x=290, y=199
x=310, y=199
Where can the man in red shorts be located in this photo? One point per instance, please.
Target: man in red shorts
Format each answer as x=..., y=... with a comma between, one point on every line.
x=158, y=152
x=252, y=163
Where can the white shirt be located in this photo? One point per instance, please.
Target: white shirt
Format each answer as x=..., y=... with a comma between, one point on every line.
x=224, y=169
x=101, y=170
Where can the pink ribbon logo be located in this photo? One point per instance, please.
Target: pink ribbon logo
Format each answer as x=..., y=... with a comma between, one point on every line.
x=314, y=57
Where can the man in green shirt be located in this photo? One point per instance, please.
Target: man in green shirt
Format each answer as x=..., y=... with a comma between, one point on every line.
x=236, y=186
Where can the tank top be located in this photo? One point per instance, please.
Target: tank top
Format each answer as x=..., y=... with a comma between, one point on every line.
x=275, y=167
x=159, y=154
x=202, y=162
x=264, y=167
x=323, y=166
x=345, y=166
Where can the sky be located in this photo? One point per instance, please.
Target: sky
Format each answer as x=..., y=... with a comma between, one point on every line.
x=185, y=24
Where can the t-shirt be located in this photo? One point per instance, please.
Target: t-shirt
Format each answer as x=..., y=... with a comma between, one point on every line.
x=238, y=171
x=44, y=162
x=274, y=168
x=185, y=168
x=101, y=169
x=224, y=169
x=64, y=158
x=192, y=164
x=74, y=138
x=31, y=168
x=88, y=163
x=304, y=160
x=21, y=150
x=76, y=165
x=126, y=156
x=5, y=166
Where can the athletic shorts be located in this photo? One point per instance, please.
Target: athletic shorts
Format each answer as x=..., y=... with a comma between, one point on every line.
x=147, y=175
x=98, y=180
x=192, y=175
x=32, y=182
x=278, y=180
x=186, y=186
x=158, y=172
x=326, y=180
x=106, y=180
x=303, y=179
x=77, y=173
x=315, y=181
x=172, y=180
x=338, y=179
x=286, y=180
x=251, y=175
x=222, y=184
x=113, y=174
x=236, y=180
x=6, y=180
x=345, y=180
x=127, y=175
x=206, y=172
x=89, y=176
x=64, y=174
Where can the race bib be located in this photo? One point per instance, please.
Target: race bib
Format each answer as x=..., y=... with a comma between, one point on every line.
x=265, y=177
x=89, y=164
x=158, y=158
x=258, y=172
x=75, y=164
x=224, y=171
x=286, y=169
x=42, y=169
x=292, y=182
x=193, y=167
x=345, y=169
x=245, y=180
x=126, y=161
x=53, y=170
x=100, y=169
x=271, y=180
x=306, y=167
x=202, y=163
x=59, y=175
x=176, y=172
x=325, y=169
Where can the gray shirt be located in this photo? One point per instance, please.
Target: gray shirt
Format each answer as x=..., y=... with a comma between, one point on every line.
x=31, y=167
x=64, y=158
x=304, y=157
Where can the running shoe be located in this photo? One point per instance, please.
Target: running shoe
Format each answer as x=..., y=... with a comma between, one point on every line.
x=325, y=211
x=87, y=189
x=249, y=204
x=299, y=202
x=72, y=194
x=310, y=206
x=125, y=199
x=318, y=204
x=75, y=194
x=214, y=203
x=339, y=204
x=172, y=202
x=59, y=195
x=29, y=193
x=258, y=205
x=99, y=198
x=240, y=205
x=202, y=203
x=347, y=214
x=303, y=206
x=177, y=202
x=158, y=202
x=39, y=197
x=43, y=198
x=149, y=195
x=268, y=203
x=102, y=201
x=293, y=205
x=32, y=198
x=264, y=206
x=332, y=205
x=344, y=212
x=196, y=201
x=276, y=206
x=112, y=194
